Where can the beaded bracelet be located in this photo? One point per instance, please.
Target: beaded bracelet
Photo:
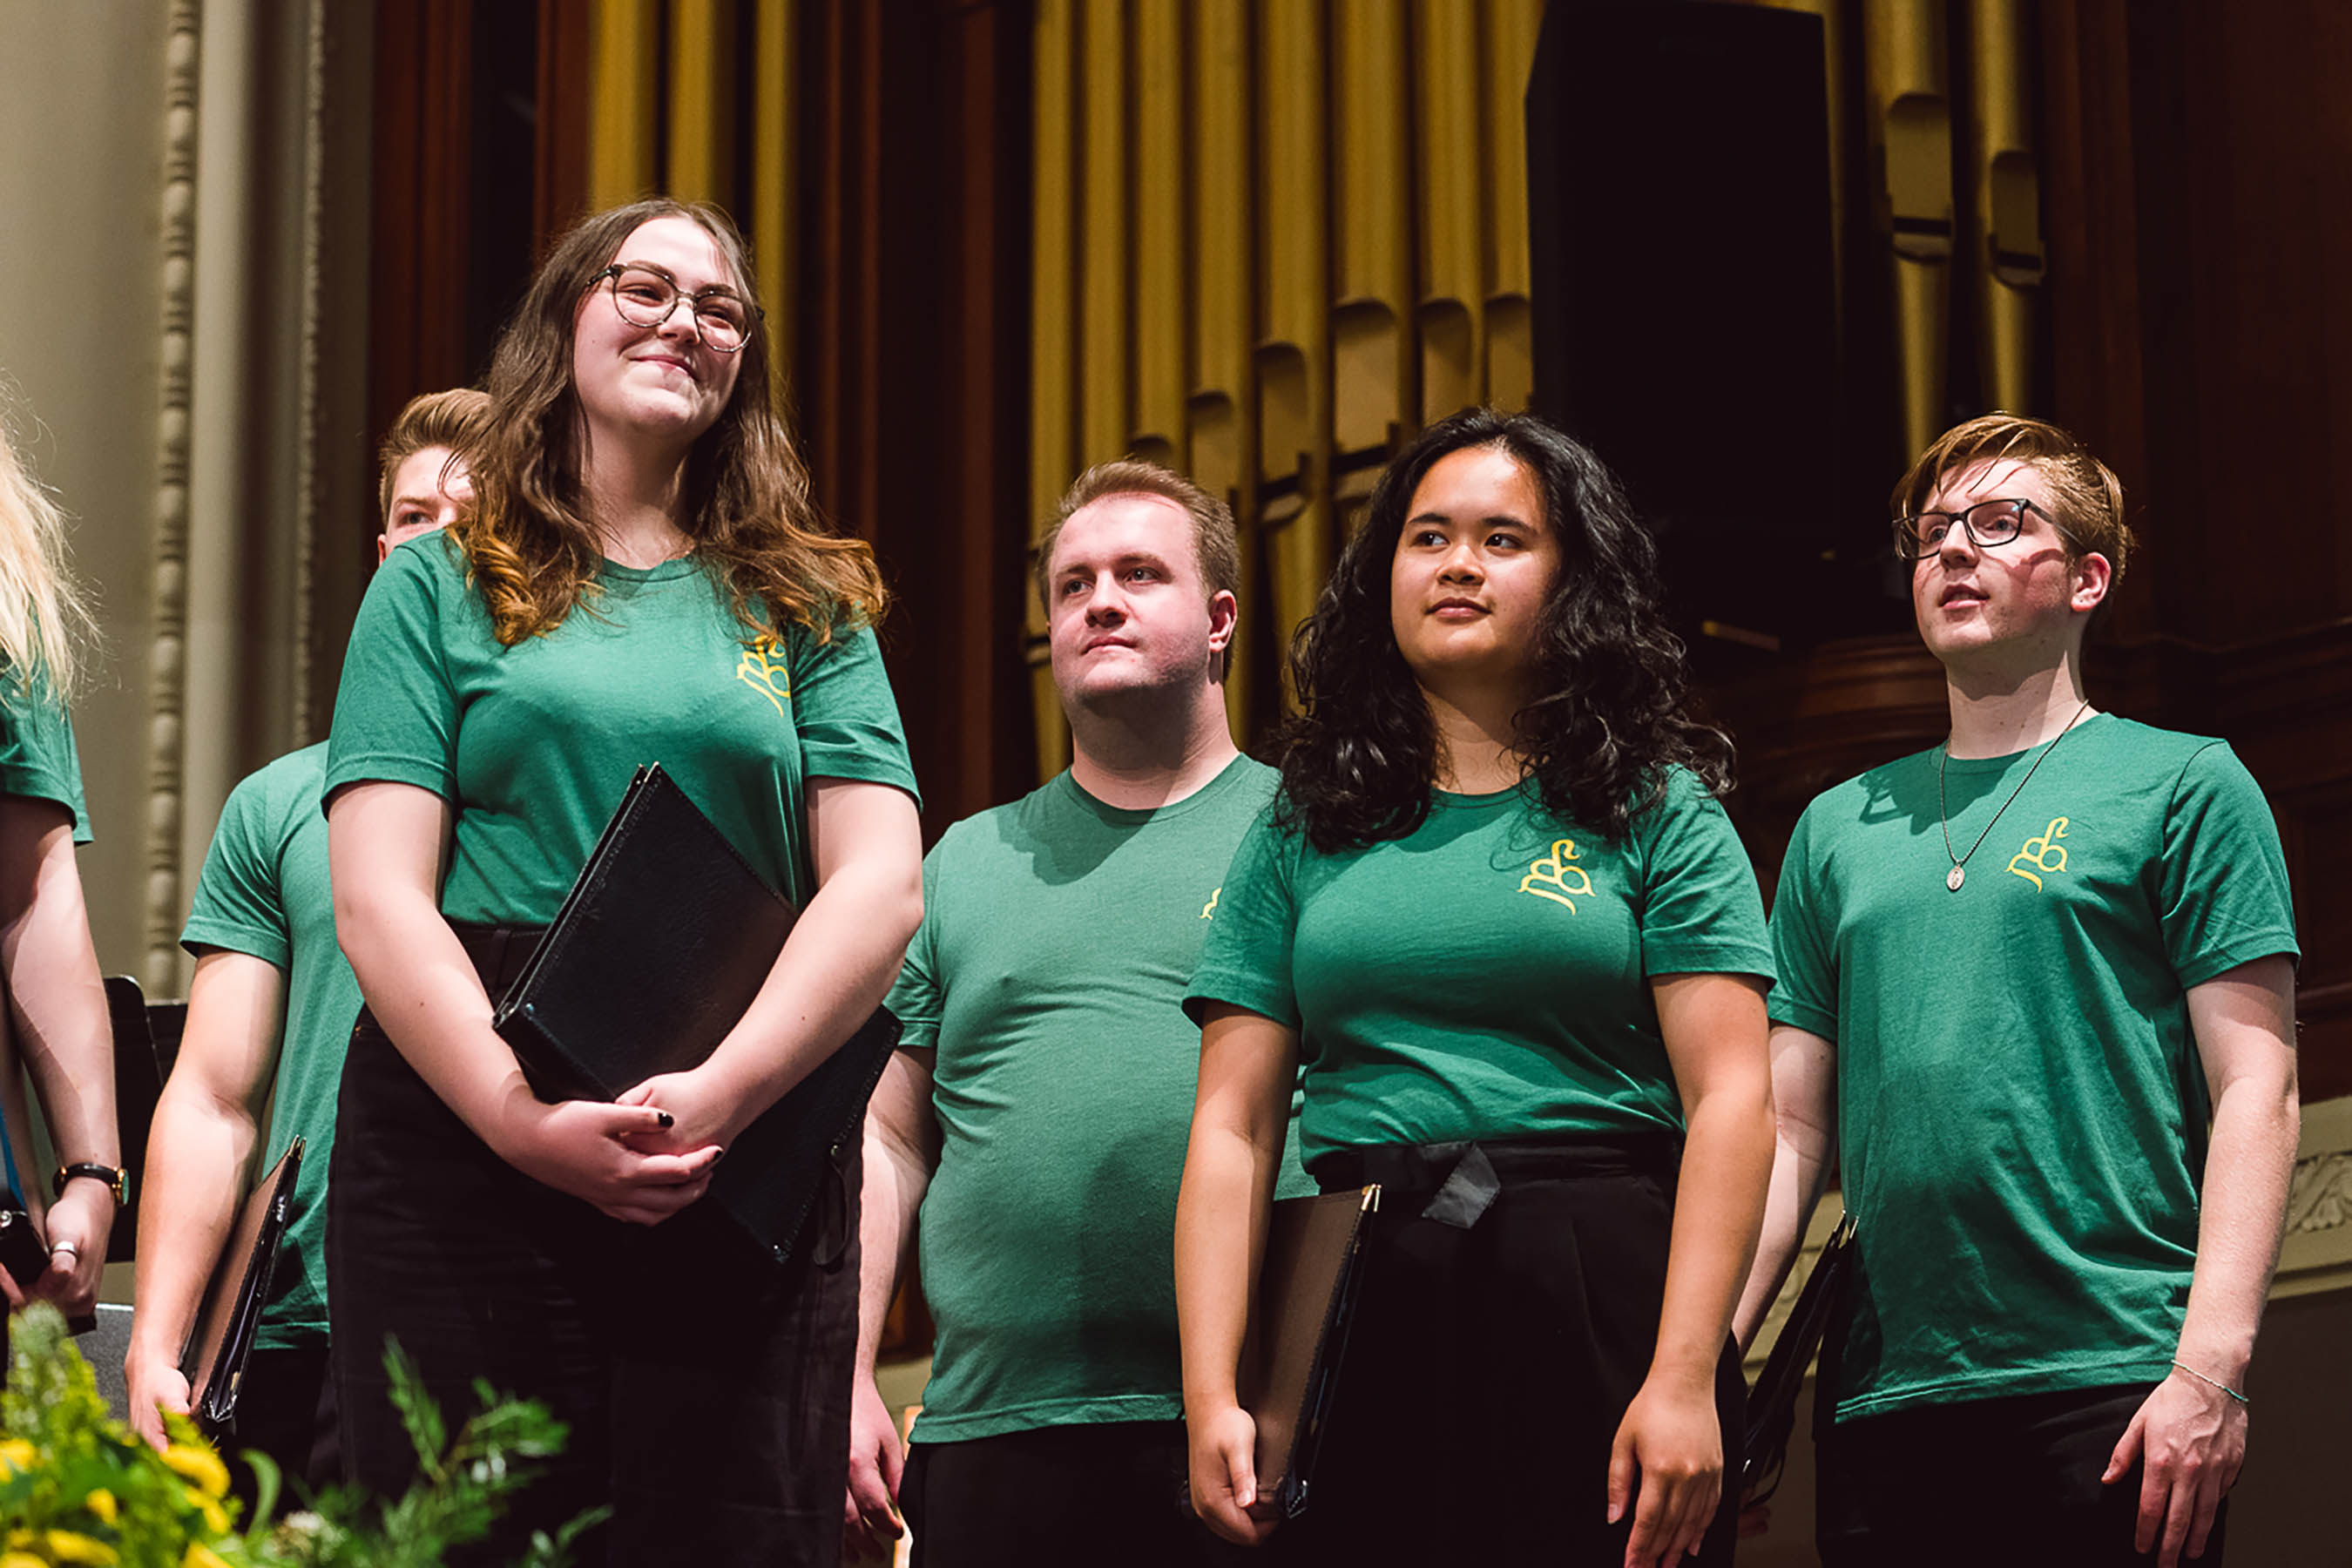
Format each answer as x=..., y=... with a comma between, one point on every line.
x=2222, y=1386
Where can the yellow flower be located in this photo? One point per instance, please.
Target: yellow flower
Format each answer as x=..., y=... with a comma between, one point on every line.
x=199, y=1556
x=20, y=1560
x=100, y=1502
x=200, y=1465
x=215, y=1516
x=18, y=1454
x=72, y=1546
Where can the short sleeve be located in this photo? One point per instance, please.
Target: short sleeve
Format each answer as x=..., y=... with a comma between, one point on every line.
x=240, y=904
x=1701, y=913
x=1806, y=997
x=38, y=757
x=915, y=998
x=847, y=716
x=397, y=710
x=1246, y=958
x=2223, y=894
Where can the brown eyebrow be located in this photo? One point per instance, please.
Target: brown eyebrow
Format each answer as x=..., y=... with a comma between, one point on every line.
x=725, y=290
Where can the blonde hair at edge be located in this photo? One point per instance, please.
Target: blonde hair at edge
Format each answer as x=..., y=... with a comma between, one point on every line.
x=41, y=611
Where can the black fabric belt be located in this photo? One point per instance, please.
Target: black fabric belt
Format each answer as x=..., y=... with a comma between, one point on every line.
x=1465, y=1176
x=498, y=952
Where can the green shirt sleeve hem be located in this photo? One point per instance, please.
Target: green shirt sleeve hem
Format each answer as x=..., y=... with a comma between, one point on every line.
x=2245, y=950
x=252, y=940
x=1787, y=1010
x=860, y=768
x=1741, y=958
x=1235, y=994
x=33, y=783
x=380, y=767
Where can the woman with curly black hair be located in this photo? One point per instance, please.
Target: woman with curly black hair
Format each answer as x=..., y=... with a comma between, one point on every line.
x=1499, y=918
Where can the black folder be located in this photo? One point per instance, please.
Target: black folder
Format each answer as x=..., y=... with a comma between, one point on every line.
x=657, y=954
x=222, y=1341
x=1298, y=1332
x=1772, y=1403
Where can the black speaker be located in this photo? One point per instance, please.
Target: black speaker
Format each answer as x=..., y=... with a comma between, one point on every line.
x=1684, y=313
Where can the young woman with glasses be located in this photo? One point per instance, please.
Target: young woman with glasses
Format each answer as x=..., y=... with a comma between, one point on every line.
x=1498, y=917
x=642, y=578
x=55, y=1023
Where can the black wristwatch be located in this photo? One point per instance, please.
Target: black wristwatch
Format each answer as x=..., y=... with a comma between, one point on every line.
x=117, y=1180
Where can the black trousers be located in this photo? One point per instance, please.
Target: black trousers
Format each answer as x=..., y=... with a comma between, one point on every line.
x=1061, y=1497
x=1488, y=1368
x=285, y=1408
x=1986, y=1481
x=706, y=1387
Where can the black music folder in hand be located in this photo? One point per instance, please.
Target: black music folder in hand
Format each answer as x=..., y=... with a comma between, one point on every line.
x=1298, y=1330
x=657, y=954
x=222, y=1341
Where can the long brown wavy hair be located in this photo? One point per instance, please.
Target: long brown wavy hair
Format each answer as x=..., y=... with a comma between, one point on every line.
x=743, y=500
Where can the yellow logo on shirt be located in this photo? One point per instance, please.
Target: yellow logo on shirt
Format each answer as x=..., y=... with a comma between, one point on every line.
x=1211, y=904
x=2042, y=852
x=765, y=671
x=1558, y=876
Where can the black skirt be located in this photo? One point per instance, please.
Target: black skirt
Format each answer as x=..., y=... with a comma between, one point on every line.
x=706, y=1387
x=1489, y=1366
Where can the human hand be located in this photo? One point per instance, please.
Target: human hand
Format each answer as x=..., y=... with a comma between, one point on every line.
x=703, y=1110
x=2189, y=1439
x=869, y=1509
x=1670, y=1438
x=577, y=1146
x=1223, y=1457
x=76, y=1227
x=154, y=1380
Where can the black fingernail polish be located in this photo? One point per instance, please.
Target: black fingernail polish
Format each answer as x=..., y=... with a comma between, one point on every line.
x=666, y=1119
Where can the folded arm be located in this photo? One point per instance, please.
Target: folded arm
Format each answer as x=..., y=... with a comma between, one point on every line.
x=867, y=842
x=384, y=846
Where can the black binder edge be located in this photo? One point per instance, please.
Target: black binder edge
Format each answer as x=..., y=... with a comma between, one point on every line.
x=1289, y=1495
x=216, y=1402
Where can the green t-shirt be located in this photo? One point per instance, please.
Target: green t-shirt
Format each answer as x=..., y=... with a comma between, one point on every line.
x=1485, y=976
x=264, y=891
x=1057, y=935
x=2022, y=1110
x=534, y=744
x=37, y=757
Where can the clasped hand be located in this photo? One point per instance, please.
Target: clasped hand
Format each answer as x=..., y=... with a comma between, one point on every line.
x=75, y=1232
x=641, y=1158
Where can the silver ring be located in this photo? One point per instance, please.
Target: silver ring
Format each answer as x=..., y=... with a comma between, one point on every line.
x=66, y=1247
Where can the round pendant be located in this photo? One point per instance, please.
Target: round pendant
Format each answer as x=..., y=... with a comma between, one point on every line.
x=1958, y=876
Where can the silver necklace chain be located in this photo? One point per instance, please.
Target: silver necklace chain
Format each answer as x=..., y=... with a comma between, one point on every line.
x=1959, y=873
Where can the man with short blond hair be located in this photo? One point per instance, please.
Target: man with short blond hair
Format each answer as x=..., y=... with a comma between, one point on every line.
x=2036, y=1002
x=1037, y=1110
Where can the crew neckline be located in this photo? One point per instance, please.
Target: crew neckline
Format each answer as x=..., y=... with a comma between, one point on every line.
x=1964, y=766
x=1135, y=816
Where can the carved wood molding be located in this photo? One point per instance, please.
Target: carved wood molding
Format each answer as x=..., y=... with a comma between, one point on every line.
x=308, y=501
x=168, y=608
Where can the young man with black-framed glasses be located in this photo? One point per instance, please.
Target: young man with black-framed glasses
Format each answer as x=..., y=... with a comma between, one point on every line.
x=2037, y=1003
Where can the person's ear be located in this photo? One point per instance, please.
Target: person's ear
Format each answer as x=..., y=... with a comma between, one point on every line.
x=1224, y=615
x=2094, y=575
x=382, y=548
